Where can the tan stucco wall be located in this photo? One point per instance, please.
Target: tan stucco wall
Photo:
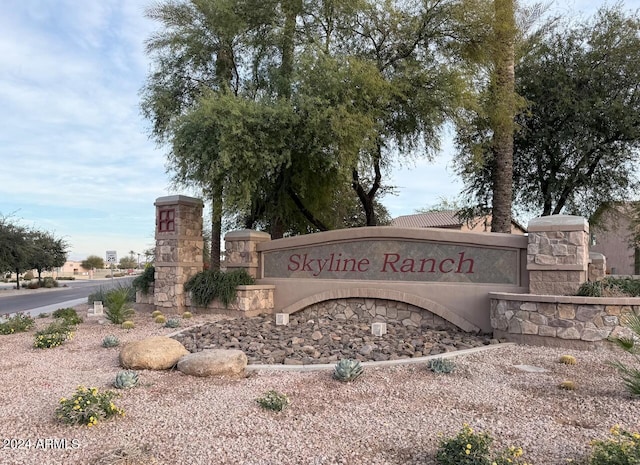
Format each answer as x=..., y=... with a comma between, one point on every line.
x=464, y=304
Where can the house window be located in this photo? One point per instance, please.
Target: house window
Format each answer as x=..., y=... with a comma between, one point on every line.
x=166, y=220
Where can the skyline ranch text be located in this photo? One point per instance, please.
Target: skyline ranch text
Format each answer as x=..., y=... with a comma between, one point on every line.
x=389, y=263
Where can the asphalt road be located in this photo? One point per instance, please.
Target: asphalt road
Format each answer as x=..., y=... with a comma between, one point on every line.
x=76, y=292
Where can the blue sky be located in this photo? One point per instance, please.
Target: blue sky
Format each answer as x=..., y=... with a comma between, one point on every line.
x=75, y=158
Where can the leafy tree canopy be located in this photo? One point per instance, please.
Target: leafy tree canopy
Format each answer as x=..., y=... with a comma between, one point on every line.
x=93, y=262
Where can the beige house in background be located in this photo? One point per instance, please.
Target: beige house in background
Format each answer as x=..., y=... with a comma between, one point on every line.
x=612, y=238
x=448, y=219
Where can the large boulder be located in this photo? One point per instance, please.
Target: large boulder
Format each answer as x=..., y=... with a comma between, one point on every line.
x=152, y=353
x=214, y=362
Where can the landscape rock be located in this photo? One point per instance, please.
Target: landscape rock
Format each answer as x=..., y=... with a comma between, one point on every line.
x=153, y=353
x=214, y=362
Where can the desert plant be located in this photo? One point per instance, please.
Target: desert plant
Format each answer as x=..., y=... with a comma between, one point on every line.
x=100, y=295
x=69, y=315
x=28, y=276
x=156, y=313
x=347, y=370
x=117, y=305
x=143, y=282
x=212, y=284
x=567, y=385
x=567, y=360
x=622, y=448
x=629, y=343
x=610, y=286
x=471, y=448
x=172, y=323
x=441, y=365
x=187, y=315
x=126, y=379
x=160, y=319
x=18, y=323
x=110, y=341
x=273, y=400
x=43, y=315
x=87, y=407
x=53, y=335
x=128, y=324
x=49, y=282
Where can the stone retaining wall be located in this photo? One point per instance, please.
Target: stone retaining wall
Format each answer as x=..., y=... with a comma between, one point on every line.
x=379, y=310
x=565, y=321
x=251, y=301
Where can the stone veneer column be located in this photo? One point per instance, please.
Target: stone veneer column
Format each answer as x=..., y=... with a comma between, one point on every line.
x=241, y=250
x=557, y=254
x=179, y=249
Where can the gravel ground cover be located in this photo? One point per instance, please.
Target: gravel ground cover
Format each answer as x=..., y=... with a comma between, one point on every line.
x=391, y=415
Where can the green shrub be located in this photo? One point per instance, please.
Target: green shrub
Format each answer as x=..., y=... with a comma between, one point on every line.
x=630, y=375
x=209, y=285
x=28, y=276
x=87, y=407
x=117, y=304
x=471, y=448
x=98, y=296
x=622, y=448
x=273, y=400
x=144, y=281
x=53, y=335
x=49, y=282
x=607, y=287
x=19, y=323
x=33, y=285
x=441, y=365
x=69, y=315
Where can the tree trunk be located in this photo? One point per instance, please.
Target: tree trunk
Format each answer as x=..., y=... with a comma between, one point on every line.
x=216, y=226
x=17, y=278
x=367, y=198
x=502, y=115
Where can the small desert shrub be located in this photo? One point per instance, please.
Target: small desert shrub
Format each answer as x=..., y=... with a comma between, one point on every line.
x=99, y=296
x=128, y=324
x=441, y=365
x=273, y=400
x=43, y=315
x=19, y=323
x=144, y=281
x=117, y=305
x=49, y=282
x=622, y=448
x=471, y=448
x=33, y=285
x=87, y=407
x=611, y=287
x=160, y=319
x=69, y=315
x=28, y=276
x=630, y=375
x=53, y=335
x=209, y=285
x=568, y=360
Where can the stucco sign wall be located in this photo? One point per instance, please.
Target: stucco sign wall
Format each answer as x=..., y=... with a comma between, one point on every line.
x=394, y=260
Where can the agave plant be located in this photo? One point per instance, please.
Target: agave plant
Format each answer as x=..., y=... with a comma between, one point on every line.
x=347, y=370
x=630, y=343
x=110, y=341
x=441, y=365
x=126, y=379
x=172, y=323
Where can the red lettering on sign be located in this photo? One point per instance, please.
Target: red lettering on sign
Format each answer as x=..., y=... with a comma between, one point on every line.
x=390, y=263
x=465, y=260
x=442, y=263
x=293, y=264
x=361, y=263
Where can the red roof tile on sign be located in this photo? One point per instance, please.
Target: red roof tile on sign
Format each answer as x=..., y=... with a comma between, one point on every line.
x=443, y=219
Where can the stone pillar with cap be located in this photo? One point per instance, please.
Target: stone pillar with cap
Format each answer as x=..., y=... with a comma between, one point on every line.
x=557, y=254
x=179, y=249
x=241, y=250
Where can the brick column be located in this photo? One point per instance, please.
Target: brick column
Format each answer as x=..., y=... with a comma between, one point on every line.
x=179, y=249
x=241, y=250
x=557, y=254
